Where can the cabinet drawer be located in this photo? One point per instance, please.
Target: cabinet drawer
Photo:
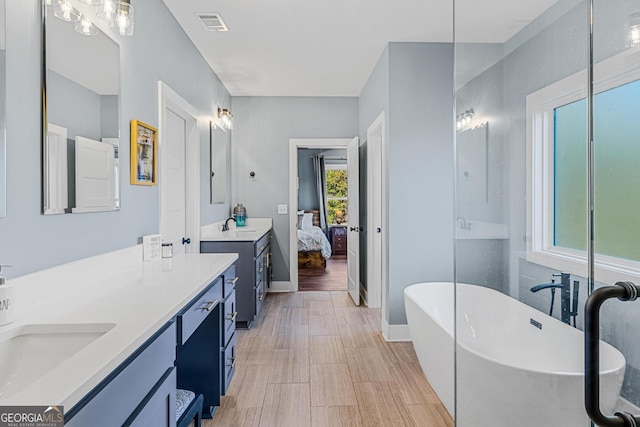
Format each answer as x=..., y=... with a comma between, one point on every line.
x=262, y=244
x=230, y=312
x=230, y=280
x=159, y=407
x=191, y=318
x=123, y=390
x=228, y=363
x=260, y=294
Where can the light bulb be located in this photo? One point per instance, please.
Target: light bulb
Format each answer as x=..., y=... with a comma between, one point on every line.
x=92, y=2
x=123, y=18
x=85, y=27
x=107, y=11
x=66, y=12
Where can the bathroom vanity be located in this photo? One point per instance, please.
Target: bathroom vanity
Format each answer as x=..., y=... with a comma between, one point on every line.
x=253, y=245
x=129, y=333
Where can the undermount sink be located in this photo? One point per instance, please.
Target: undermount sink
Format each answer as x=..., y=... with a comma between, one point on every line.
x=243, y=230
x=28, y=352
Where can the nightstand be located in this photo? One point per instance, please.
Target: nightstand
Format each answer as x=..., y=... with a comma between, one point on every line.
x=338, y=235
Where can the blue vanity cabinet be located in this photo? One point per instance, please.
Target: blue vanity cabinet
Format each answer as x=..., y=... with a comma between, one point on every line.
x=144, y=383
x=253, y=271
x=199, y=338
x=230, y=312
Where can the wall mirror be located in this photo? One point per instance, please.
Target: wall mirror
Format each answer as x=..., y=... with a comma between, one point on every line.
x=81, y=112
x=3, y=86
x=218, y=162
x=471, y=147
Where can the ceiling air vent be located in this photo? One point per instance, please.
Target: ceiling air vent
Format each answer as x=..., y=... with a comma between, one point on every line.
x=213, y=22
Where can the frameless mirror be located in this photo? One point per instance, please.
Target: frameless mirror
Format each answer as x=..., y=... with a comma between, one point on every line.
x=218, y=162
x=471, y=147
x=3, y=145
x=81, y=111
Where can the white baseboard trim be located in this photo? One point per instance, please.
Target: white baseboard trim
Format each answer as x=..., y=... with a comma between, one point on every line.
x=280, y=287
x=394, y=333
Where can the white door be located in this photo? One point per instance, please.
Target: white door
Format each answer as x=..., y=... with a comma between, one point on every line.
x=94, y=176
x=173, y=184
x=353, y=236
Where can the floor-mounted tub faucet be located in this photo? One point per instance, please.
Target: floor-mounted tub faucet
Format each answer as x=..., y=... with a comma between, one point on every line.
x=569, y=310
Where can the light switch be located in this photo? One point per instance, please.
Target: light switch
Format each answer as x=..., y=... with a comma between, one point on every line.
x=282, y=209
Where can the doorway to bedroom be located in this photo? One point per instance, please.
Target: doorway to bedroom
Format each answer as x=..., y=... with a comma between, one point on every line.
x=322, y=202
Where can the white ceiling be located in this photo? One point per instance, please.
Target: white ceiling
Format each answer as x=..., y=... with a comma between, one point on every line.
x=329, y=47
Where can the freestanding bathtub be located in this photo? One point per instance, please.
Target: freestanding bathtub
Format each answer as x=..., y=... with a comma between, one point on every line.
x=516, y=366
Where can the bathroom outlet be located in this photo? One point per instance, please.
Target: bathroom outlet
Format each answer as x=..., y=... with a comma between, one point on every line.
x=282, y=209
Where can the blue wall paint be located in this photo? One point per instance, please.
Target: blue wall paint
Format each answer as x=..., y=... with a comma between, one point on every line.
x=420, y=168
x=159, y=50
x=262, y=129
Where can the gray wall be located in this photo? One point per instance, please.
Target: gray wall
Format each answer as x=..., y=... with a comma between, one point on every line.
x=262, y=129
x=420, y=168
x=159, y=50
x=413, y=84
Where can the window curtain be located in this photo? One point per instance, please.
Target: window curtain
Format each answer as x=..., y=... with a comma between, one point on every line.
x=321, y=186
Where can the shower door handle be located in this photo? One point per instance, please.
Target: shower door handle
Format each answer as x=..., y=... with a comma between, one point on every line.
x=624, y=291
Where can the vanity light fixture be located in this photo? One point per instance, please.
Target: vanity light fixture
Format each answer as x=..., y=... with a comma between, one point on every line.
x=225, y=119
x=634, y=29
x=65, y=11
x=463, y=120
x=85, y=27
x=92, y=2
x=118, y=13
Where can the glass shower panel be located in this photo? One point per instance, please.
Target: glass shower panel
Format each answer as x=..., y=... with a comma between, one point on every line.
x=519, y=297
x=616, y=203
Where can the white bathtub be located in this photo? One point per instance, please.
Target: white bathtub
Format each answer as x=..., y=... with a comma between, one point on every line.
x=509, y=372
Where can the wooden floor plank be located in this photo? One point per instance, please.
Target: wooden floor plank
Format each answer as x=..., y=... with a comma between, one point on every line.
x=331, y=385
x=286, y=405
x=326, y=349
x=335, y=416
x=315, y=359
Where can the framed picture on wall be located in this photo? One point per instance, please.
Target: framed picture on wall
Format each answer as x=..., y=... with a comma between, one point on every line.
x=144, y=154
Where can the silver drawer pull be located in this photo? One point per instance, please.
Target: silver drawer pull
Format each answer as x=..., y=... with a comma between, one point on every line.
x=261, y=297
x=212, y=304
x=233, y=362
x=232, y=316
x=261, y=248
x=260, y=269
x=232, y=281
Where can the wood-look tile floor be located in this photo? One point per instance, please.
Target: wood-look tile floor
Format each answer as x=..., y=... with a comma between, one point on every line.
x=314, y=359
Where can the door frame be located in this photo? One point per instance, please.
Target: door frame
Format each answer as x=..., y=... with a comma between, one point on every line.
x=376, y=285
x=294, y=144
x=169, y=99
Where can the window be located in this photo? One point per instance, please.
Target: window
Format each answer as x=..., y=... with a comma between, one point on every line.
x=557, y=172
x=336, y=176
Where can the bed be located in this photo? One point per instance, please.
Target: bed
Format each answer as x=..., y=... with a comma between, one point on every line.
x=314, y=248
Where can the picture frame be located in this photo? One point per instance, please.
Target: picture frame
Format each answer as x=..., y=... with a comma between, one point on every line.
x=144, y=154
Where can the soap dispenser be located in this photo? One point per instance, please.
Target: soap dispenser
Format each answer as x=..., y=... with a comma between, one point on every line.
x=7, y=308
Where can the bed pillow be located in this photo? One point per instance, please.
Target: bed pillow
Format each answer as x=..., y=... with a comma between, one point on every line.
x=307, y=221
x=300, y=215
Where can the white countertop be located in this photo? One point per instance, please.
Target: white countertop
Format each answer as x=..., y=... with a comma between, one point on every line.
x=482, y=231
x=119, y=288
x=254, y=229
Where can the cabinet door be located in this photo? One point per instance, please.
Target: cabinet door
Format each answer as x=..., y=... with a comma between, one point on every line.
x=159, y=407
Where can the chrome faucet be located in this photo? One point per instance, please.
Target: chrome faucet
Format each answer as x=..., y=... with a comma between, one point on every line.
x=464, y=224
x=225, y=227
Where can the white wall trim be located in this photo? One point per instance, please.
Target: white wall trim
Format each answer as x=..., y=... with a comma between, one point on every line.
x=167, y=98
x=395, y=333
x=294, y=144
x=281, y=286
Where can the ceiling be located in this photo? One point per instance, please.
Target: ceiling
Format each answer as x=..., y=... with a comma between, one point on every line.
x=329, y=47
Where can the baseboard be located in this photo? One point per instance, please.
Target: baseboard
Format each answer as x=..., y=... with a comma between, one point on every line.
x=393, y=333
x=280, y=287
